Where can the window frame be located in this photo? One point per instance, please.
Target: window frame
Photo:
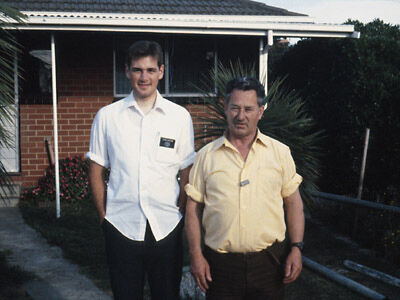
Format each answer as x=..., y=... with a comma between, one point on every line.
x=16, y=134
x=167, y=92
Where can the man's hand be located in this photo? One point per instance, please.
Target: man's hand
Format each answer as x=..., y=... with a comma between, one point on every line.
x=101, y=217
x=293, y=265
x=98, y=188
x=295, y=225
x=200, y=270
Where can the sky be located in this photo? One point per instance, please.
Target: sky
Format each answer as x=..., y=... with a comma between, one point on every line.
x=338, y=11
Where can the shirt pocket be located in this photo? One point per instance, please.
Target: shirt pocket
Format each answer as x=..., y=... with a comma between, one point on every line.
x=166, y=148
x=269, y=180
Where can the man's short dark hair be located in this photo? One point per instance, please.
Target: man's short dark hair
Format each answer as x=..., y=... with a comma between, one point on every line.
x=141, y=49
x=245, y=84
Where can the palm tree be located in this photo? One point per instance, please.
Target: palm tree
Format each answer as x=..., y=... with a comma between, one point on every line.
x=285, y=119
x=8, y=48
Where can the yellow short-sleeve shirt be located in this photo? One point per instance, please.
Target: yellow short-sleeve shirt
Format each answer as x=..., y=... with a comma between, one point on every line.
x=243, y=200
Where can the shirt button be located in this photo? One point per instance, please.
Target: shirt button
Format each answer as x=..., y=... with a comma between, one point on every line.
x=244, y=206
x=243, y=226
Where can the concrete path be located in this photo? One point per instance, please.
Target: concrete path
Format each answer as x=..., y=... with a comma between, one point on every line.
x=56, y=278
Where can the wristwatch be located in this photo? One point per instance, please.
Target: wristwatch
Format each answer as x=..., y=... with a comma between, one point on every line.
x=299, y=245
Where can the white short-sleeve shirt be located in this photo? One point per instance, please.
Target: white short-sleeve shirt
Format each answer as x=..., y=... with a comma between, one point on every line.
x=144, y=153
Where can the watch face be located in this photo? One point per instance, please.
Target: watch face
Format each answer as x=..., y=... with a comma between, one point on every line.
x=299, y=245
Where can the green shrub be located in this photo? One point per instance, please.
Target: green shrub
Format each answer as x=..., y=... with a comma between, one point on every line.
x=74, y=182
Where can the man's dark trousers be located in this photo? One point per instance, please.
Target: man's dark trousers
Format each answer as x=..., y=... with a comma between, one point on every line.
x=247, y=276
x=129, y=261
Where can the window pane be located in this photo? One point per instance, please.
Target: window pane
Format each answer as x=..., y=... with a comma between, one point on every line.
x=9, y=155
x=244, y=49
x=123, y=86
x=35, y=67
x=190, y=58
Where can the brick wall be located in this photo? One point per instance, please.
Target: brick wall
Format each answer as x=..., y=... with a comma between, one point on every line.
x=75, y=117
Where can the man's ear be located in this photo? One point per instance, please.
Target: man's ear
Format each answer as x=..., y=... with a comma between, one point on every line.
x=260, y=111
x=161, y=72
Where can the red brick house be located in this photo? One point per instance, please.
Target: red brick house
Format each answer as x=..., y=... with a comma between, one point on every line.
x=90, y=37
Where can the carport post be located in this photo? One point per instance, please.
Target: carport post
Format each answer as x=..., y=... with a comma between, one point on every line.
x=55, y=123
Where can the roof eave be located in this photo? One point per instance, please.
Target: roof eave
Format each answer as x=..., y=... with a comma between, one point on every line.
x=289, y=26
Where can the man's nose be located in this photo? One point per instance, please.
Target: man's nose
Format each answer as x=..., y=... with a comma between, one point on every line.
x=144, y=75
x=240, y=115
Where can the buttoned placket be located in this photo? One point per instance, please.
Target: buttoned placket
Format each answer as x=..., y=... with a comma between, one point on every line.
x=146, y=137
x=244, y=198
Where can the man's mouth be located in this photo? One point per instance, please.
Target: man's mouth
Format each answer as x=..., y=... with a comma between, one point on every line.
x=240, y=125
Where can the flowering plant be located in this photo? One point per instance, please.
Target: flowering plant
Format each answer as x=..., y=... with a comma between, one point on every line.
x=74, y=182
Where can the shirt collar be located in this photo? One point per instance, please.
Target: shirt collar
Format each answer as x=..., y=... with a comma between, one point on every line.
x=159, y=105
x=260, y=138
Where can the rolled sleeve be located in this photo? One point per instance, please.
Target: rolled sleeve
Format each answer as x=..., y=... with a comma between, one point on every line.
x=98, y=141
x=290, y=187
x=193, y=193
x=195, y=189
x=291, y=180
x=186, y=148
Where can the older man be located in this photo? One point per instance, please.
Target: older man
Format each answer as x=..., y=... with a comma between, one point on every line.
x=238, y=188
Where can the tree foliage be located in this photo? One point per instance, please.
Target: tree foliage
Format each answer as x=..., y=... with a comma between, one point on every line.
x=285, y=119
x=8, y=48
x=351, y=85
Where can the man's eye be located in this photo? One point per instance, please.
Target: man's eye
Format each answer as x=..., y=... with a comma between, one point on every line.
x=135, y=70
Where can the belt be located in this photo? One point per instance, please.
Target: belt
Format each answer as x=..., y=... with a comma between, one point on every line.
x=276, y=250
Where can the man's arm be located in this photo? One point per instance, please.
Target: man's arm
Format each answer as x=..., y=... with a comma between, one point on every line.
x=98, y=188
x=184, y=179
x=295, y=223
x=199, y=266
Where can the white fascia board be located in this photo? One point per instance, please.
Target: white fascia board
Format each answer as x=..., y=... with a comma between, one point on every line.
x=310, y=34
x=176, y=17
x=197, y=24
x=234, y=22
x=144, y=30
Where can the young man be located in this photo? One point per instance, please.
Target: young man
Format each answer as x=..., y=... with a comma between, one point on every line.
x=145, y=140
x=237, y=188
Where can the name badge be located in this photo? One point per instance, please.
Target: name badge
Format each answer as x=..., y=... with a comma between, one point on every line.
x=167, y=143
x=244, y=182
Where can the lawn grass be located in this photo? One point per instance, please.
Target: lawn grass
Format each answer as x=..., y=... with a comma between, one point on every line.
x=79, y=235
x=76, y=232
x=11, y=280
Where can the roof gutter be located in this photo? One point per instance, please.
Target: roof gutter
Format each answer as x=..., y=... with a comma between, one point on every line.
x=288, y=26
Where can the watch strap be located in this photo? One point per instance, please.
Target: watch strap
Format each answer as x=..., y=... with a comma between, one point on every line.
x=299, y=245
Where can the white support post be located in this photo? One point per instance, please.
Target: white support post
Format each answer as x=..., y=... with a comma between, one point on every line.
x=215, y=65
x=55, y=123
x=263, y=58
x=166, y=68
x=261, y=63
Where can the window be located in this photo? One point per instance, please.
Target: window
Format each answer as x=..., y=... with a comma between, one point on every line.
x=35, y=67
x=9, y=154
x=188, y=61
